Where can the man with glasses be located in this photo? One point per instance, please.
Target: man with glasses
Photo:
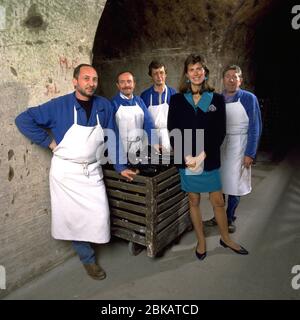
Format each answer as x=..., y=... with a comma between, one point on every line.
x=243, y=130
x=157, y=100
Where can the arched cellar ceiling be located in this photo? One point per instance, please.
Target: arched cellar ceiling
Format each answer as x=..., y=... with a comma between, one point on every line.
x=131, y=26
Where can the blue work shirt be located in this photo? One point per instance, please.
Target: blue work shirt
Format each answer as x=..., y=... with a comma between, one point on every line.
x=58, y=116
x=155, y=96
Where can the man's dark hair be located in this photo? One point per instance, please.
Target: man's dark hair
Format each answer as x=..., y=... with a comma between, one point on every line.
x=126, y=71
x=77, y=69
x=155, y=64
x=234, y=67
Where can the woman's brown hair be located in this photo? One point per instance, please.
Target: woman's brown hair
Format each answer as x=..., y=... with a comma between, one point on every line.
x=184, y=84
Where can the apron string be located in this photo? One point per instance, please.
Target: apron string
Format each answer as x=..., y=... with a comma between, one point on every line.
x=75, y=115
x=166, y=95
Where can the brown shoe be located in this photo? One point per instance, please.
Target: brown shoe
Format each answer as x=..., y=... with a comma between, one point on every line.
x=95, y=271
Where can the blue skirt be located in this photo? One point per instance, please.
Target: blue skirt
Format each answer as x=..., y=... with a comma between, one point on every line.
x=207, y=181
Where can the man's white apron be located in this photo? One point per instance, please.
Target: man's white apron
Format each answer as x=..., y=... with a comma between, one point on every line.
x=159, y=115
x=236, y=179
x=130, y=121
x=78, y=197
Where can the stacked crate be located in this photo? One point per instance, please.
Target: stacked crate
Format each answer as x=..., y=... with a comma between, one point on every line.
x=149, y=211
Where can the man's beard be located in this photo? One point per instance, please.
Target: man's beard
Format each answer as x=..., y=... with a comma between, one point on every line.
x=85, y=93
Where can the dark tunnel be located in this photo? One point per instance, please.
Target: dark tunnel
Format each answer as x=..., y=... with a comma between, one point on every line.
x=276, y=58
x=131, y=33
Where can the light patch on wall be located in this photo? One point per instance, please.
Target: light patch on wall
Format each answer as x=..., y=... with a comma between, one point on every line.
x=2, y=18
x=2, y=278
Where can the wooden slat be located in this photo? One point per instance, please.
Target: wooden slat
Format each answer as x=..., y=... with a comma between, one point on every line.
x=169, y=193
x=172, y=232
x=125, y=196
x=168, y=182
x=162, y=176
x=151, y=215
x=168, y=235
x=128, y=235
x=128, y=225
x=114, y=174
x=182, y=203
x=128, y=216
x=171, y=218
x=166, y=204
x=109, y=183
x=119, y=204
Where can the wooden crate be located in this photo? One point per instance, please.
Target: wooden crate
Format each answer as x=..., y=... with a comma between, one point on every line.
x=149, y=211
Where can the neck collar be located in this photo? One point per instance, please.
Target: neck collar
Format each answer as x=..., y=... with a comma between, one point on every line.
x=124, y=97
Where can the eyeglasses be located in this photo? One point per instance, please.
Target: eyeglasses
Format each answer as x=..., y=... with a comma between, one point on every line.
x=235, y=78
x=232, y=75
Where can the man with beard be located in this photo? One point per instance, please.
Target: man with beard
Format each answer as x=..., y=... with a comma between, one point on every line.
x=73, y=126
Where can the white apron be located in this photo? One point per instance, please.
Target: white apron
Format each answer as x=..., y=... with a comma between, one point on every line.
x=159, y=115
x=78, y=197
x=130, y=121
x=236, y=179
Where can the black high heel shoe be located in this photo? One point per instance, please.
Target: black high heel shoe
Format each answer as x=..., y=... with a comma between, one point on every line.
x=200, y=256
x=241, y=251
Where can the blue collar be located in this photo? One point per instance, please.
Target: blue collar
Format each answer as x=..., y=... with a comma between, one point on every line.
x=234, y=98
x=78, y=106
x=153, y=91
x=204, y=101
x=125, y=102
